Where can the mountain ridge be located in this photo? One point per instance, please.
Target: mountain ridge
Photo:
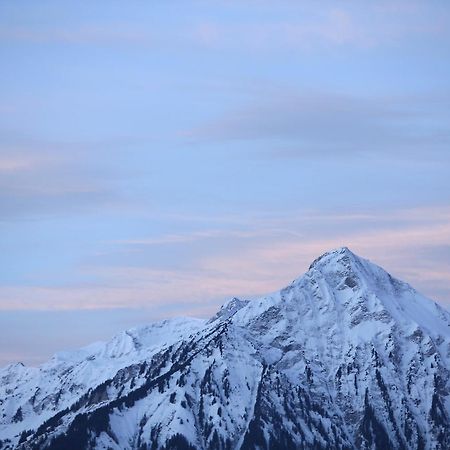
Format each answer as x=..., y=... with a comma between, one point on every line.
x=346, y=356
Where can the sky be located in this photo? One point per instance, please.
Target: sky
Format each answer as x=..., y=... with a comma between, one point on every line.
x=158, y=158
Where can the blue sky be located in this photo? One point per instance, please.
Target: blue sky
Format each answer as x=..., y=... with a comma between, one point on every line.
x=157, y=158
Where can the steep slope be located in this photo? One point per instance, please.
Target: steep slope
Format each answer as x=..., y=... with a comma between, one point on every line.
x=344, y=357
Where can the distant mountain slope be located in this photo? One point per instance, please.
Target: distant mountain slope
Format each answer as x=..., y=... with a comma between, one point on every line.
x=345, y=357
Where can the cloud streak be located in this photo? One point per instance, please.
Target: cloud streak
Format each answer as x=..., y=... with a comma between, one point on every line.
x=321, y=124
x=108, y=35
x=42, y=178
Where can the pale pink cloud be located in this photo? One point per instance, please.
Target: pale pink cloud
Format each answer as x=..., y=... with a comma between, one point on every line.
x=190, y=237
x=112, y=33
x=15, y=164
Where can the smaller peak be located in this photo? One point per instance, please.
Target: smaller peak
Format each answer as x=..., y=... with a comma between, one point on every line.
x=228, y=309
x=16, y=365
x=233, y=303
x=13, y=367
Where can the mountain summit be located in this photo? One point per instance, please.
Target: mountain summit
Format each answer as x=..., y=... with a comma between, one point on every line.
x=345, y=357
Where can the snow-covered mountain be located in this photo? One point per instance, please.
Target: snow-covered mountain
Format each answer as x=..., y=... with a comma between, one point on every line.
x=344, y=357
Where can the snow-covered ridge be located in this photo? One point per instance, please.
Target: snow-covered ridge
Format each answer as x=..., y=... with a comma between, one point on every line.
x=346, y=356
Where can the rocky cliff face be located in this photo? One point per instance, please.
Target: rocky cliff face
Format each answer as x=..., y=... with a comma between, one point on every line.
x=345, y=357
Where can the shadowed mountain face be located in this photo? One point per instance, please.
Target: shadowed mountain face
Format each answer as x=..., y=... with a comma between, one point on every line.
x=345, y=357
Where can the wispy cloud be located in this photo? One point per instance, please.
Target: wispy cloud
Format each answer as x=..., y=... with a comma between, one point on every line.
x=83, y=34
x=15, y=164
x=312, y=125
x=41, y=178
x=182, y=238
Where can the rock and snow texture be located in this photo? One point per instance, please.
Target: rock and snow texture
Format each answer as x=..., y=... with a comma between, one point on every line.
x=346, y=357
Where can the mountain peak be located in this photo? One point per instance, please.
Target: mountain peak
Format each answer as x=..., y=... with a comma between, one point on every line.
x=334, y=256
